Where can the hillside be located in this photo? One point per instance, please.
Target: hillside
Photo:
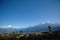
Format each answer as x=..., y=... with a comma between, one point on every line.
x=54, y=35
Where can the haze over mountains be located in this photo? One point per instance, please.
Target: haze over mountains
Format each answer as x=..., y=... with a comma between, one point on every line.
x=36, y=28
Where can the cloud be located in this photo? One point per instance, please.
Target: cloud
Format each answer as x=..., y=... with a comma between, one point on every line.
x=48, y=21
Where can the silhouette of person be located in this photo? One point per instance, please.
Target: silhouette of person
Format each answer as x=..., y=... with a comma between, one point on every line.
x=49, y=28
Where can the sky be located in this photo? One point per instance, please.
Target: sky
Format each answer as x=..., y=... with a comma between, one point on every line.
x=26, y=13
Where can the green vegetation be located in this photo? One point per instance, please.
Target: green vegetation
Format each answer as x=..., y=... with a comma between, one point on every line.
x=31, y=36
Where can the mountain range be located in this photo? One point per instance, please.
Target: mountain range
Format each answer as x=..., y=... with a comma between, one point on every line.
x=42, y=27
x=36, y=28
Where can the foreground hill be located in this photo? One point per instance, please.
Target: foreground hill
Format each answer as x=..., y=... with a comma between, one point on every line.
x=54, y=35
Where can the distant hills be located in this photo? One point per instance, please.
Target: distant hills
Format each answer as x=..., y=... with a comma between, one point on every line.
x=42, y=27
x=36, y=28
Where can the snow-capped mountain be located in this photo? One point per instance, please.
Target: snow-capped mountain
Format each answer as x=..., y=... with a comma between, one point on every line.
x=36, y=28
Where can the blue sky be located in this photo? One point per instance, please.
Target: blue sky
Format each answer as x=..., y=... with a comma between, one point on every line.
x=25, y=13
